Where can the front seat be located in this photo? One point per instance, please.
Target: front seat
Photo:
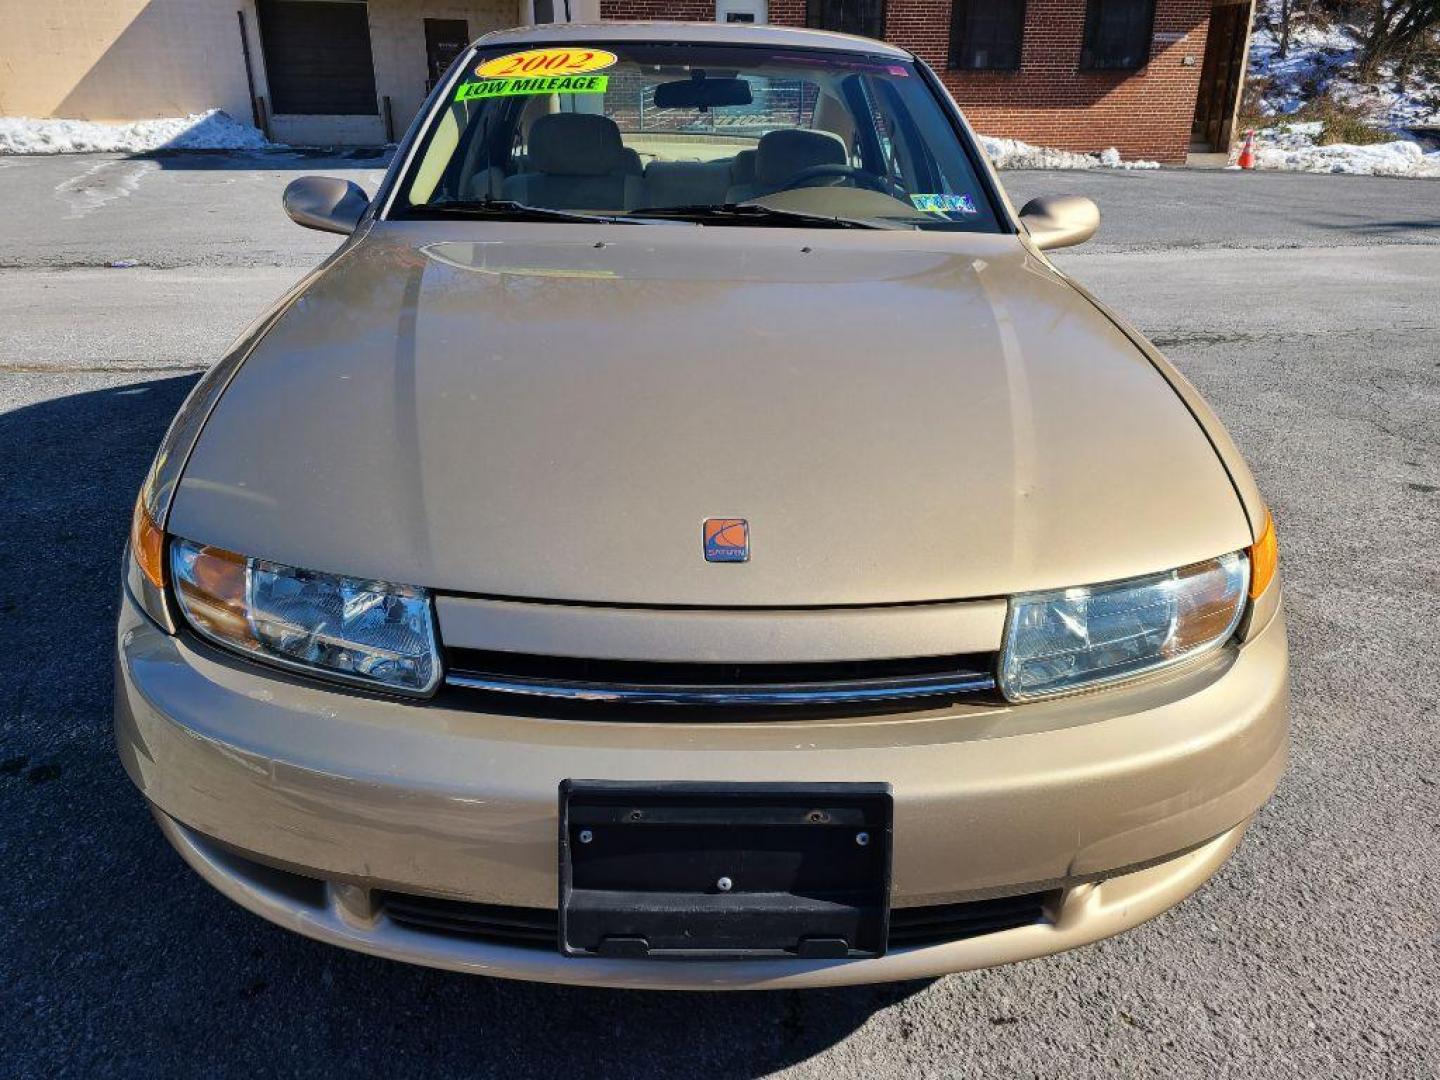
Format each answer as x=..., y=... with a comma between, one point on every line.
x=780, y=155
x=577, y=162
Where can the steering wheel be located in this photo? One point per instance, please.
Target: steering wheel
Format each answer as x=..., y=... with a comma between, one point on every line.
x=838, y=174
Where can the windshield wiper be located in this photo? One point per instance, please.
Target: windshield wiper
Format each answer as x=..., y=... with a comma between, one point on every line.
x=504, y=210
x=757, y=214
x=699, y=213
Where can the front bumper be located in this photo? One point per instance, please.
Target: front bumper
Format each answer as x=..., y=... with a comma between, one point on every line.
x=340, y=916
x=363, y=793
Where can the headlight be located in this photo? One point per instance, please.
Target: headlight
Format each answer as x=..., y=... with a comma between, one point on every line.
x=1074, y=638
x=366, y=632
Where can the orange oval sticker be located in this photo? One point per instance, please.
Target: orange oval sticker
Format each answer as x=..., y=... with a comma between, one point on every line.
x=546, y=62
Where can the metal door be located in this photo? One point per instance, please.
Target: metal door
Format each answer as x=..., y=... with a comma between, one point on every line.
x=445, y=39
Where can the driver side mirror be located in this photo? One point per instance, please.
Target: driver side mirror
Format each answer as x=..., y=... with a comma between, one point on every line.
x=325, y=203
x=1057, y=221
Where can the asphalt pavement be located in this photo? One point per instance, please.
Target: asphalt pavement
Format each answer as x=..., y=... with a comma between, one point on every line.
x=1306, y=308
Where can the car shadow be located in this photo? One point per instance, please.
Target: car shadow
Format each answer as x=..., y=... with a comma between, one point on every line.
x=121, y=961
x=297, y=158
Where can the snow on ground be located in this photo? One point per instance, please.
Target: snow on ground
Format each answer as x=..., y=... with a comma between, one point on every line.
x=213, y=130
x=1322, y=59
x=1288, y=146
x=1321, y=63
x=1294, y=146
x=1014, y=154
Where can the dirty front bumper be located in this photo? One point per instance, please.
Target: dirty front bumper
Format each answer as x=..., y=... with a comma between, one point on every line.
x=304, y=803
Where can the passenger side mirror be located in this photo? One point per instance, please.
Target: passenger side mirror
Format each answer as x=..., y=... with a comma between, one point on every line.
x=1057, y=221
x=325, y=203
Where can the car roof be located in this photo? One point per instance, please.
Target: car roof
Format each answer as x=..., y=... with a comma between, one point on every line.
x=699, y=32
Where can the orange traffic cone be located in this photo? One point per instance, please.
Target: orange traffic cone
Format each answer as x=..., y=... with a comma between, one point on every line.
x=1247, y=151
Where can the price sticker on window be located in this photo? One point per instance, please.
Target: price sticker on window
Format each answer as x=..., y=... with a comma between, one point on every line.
x=529, y=85
x=535, y=62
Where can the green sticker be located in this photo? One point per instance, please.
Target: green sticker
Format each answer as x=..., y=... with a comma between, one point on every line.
x=538, y=84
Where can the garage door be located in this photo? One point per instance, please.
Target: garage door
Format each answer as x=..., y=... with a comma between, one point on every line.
x=317, y=57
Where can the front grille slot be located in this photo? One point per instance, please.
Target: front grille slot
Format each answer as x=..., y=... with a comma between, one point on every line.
x=953, y=922
x=581, y=679
x=539, y=927
x=486, y=922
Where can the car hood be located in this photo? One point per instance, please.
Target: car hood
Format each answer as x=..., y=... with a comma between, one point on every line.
x=552, y=411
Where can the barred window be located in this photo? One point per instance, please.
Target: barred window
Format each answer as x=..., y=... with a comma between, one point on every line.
x=863, y=17
x=1117, y=34
x=985, y=35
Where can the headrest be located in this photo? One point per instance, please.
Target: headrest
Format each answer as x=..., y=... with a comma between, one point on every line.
x=782, y=154
x=575, y=144
x=743, y=171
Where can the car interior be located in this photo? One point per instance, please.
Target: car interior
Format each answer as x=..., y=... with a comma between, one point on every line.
x=577, y=161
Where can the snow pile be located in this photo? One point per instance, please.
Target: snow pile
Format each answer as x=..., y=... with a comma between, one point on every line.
x=213, y=130
x=1014, y=154
x=1322, y=64
x=1294, y=146
x=1323, y=60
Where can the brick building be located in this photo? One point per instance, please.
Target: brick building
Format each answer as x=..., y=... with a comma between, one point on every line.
x=1156, y=78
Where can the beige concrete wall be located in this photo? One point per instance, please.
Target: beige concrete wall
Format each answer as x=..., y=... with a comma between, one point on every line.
x=137, y=59
x=581, y=11
x=397, y=42
x=120, y=59
x=397, y=37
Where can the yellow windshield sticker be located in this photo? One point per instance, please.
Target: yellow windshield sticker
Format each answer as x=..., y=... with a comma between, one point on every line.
x=544, y=84
x=546, y=62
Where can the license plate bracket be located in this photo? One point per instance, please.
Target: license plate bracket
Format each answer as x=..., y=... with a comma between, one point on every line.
x=724, y=871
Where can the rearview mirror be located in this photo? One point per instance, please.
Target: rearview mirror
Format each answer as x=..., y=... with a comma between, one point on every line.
x=1057, y=221
x=325, y=203
x=699, y=92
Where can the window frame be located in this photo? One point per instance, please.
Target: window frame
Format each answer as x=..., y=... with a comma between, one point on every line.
x=959, y=11
x=1088, y=41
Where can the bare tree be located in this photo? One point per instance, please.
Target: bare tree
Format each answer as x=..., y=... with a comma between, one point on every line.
x=1400, y=26
x=1284, y=50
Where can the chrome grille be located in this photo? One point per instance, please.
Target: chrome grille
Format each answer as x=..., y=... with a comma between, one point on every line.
x=633, y=682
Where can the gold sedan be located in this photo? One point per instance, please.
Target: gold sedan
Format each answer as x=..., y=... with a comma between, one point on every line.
x=690, y=536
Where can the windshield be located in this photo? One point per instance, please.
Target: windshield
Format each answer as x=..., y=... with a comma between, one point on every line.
x=711, y=133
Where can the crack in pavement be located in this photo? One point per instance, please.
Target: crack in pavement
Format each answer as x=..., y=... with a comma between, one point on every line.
x=1205, y=339
x=1350, y=240
x=60, y=263
x=119, y=366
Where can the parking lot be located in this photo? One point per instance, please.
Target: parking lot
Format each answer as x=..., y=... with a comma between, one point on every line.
x=1307, y=310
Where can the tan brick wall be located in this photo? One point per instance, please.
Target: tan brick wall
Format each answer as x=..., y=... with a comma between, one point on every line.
x=782, y=12
x=1049, y=101
x=686, y=10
